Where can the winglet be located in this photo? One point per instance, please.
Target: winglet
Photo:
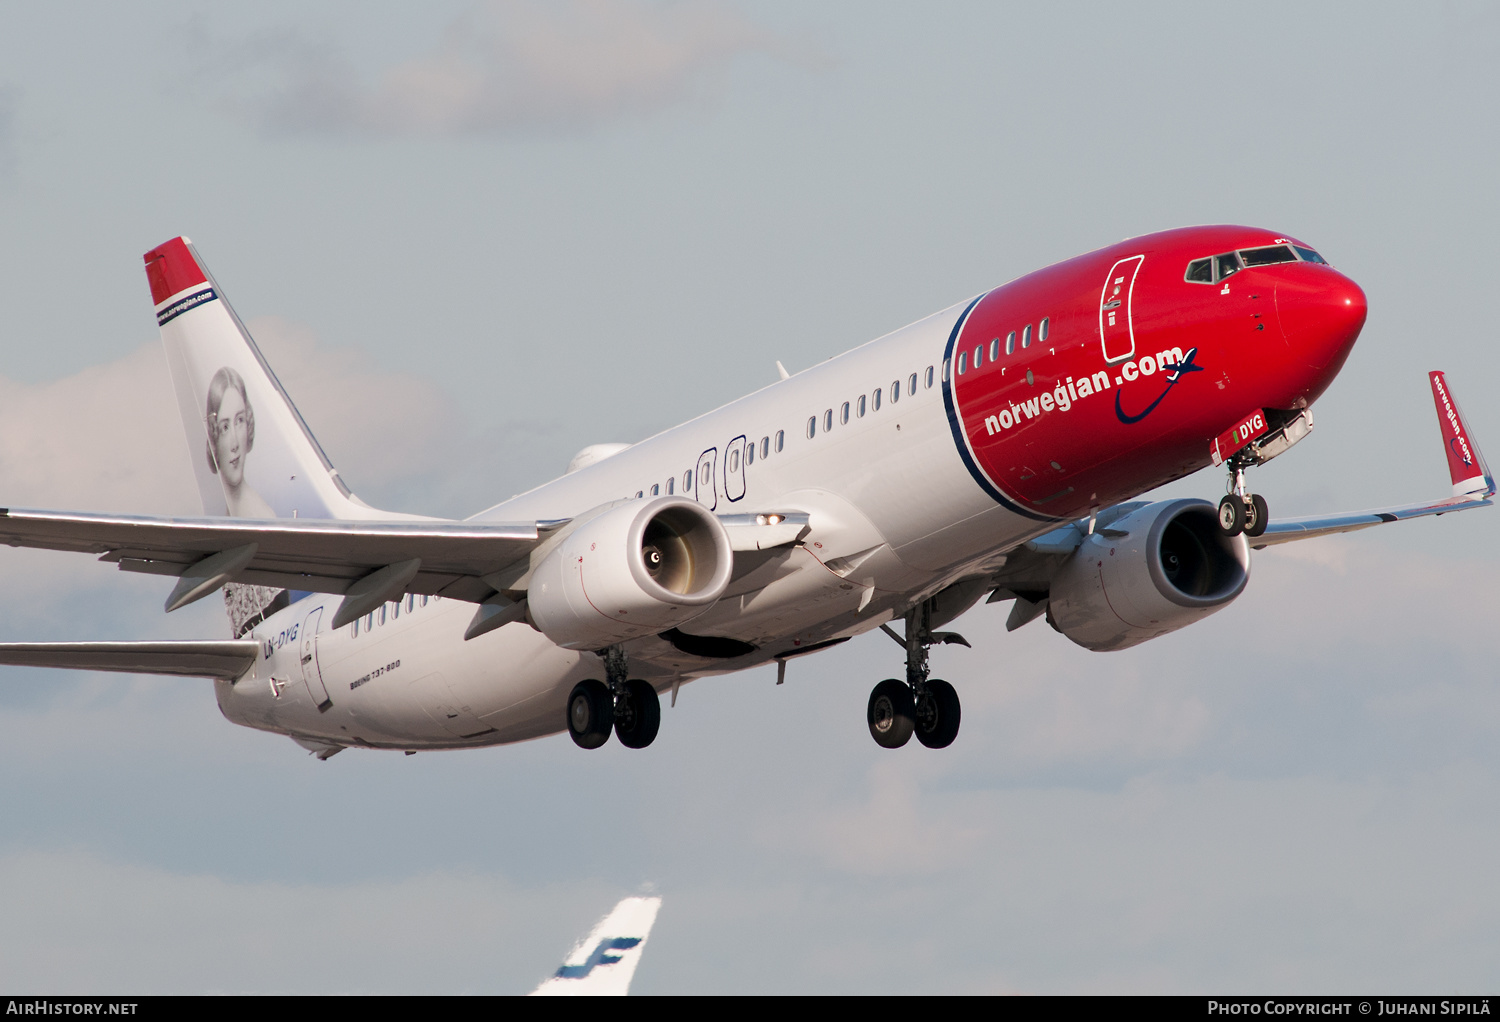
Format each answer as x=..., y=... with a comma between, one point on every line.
x=1471, y=476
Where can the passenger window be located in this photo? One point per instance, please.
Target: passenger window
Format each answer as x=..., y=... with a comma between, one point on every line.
x=395, y=610
x=859, y=408
x=911, y=385
x=411, y=602
x=1026, y=336
x=963, y=364
x=979, y=356
x=382, y=612
x=750, y=454
x=734, y=460
x=1226, y=265
x=424, y=601
x=1309, y=256
x=369, y=620
x=1044, y=331
x=780, y=440
x=655, y=489
x=927, y=382
x=687, y=480
x=876, y=396
x=828, y=421
x=812, y=427
x=356, y=628
x=895, y=391
x=995, y=349
x=671, y=485
x=765, y=445
x=947, y=370
x=1200, y=271
x=844, y=414
x=639, y=494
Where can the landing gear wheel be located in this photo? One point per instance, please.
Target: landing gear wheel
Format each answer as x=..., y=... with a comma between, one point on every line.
x=891, y=714
x=937, y=715
x=1232, y=515
x=591, y=714
x=1256, y=515
x=640, y=717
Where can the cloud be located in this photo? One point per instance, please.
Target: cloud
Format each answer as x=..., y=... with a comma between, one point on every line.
x=513, y=65
x=109, y=438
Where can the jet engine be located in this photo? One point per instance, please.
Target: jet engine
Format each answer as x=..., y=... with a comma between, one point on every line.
x=1156, y=570
x=636, y=570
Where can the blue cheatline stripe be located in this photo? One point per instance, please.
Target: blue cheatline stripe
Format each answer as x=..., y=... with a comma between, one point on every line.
x=956, y=426
x=177, y=308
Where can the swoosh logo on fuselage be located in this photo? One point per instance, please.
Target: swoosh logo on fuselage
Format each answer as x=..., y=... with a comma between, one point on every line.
x=1175, y=373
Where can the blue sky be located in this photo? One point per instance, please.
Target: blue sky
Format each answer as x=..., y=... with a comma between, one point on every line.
x=474, y=238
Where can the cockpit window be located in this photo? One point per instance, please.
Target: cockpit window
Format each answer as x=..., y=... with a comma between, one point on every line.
x=1267, y=256
x=1216, y=268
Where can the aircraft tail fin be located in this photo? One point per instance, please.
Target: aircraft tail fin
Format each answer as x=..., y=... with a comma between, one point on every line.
x=604, y=962
x=1466, y=465
x=252, y=453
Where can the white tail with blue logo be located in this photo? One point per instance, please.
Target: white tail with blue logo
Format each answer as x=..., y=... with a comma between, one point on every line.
x=603, y=963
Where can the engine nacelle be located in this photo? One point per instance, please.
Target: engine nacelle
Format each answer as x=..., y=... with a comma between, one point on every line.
x=633, y=571
x=1172, y=566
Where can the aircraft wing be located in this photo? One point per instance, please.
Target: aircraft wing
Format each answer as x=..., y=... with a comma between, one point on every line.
x=369, y=562
x=323, y=556
x=1287, y=530
x=1028, y=570
x=1473, y=486
x=227, y=659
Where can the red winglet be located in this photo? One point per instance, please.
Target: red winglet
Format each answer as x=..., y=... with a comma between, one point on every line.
x=1465, y=463
x=172, y=269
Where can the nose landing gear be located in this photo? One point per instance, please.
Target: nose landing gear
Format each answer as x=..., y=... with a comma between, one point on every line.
x=927, y=708
x=1240, y=511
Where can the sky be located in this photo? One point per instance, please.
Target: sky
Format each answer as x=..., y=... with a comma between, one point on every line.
x=473, y=238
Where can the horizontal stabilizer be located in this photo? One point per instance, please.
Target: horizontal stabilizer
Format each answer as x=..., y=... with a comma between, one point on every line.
x=227, y=659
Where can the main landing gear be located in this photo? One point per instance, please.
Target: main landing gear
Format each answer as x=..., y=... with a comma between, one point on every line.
x=629, y=707
x=921, y=706
x=1240, y=511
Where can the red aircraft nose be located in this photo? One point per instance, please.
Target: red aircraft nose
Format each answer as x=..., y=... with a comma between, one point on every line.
x=1321, y=313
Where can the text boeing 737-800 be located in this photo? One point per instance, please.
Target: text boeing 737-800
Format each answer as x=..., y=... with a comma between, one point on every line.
x=986, y=450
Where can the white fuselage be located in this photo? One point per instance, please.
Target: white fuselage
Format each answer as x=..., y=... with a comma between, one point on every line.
x=895, y=516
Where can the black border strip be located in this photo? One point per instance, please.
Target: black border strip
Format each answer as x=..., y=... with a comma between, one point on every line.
x=187, y=304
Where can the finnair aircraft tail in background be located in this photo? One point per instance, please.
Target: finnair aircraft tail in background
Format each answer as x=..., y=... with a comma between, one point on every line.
x=603, y=963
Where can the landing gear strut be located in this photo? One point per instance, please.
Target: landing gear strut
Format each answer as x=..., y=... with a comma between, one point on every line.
x=627, y=705
x=922, y=706
x=1240, y=511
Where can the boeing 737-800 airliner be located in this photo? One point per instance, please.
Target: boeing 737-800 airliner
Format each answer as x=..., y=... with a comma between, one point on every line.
x=992, y=450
